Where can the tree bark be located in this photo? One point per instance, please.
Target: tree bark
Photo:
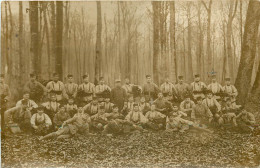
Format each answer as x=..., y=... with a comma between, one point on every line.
x=59, y=33
x=248, y=51
x=98, y=43
x=156, y=41
x=34, y=25
x=173, y=66
x=21, y=41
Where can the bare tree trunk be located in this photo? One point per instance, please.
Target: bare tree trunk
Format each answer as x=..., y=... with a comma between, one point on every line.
x=34, y=25
x=231, y=15
x=98, y=42
x=189, y=58
x=209, y=58
x=156, y=41
x=53, y=35
x=200, y=64
x=47, y=36
x=21, y=38
x=172, y=41
x=59, y=33
x=248, y=51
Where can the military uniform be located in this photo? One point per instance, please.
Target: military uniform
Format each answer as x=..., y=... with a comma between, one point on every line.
x=4, y=96
x=213, y=105
x=86, y=92
x=57, y=88
x=182, y=90
x=201, y=113
x=156, y=120
x=59, y=118
x=150, y=91
x=71, y=90
x=245, y=121
x=186, y=107
x=162, y=105
x=118, y=97
x=31, y=104
x=137, y=118
x=91, y=109
x=71, y=109
x=175, y=121
x=216, y=89
x=51, y=107
x=198, y=88
x=36, y=90
x=167, y=88
x=43, y=122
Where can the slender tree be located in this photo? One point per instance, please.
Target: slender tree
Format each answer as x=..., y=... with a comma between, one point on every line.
x=59, y=33
x=98, y=43
x=172, y=42
x=21, y=44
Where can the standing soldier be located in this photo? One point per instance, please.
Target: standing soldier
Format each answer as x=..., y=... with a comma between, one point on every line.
x=5, y=95
x=167, y=88
x=215, y=87
x=56, y=87
x=230, y=90
x=118, y=95
x=128, y=87
x=71, y=88
x=86, y=90
x=35, y=88
x=132, y=89
x=198, y=87
x=182, y=89
x=150, y=89
x=102, y=89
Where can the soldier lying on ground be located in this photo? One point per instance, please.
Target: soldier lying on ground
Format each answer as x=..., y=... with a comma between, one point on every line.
x=78, y=124
x=245, y=121
x=18, y=117
x=41, y=122
x=175, y=122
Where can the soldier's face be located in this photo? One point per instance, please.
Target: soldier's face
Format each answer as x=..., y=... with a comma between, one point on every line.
x=131, y=99
x=181, y=80
x=86, y=79
x=62, y=109
x=127, y=81
x=107, y=100
x=53, y=98
x=214, y=80
x=40, y=112
x=115, y=110
x=175, y=108
x=160, y=95
x=197, y=79
x=118, y=84
x=56, y=78
x=149, y=79
x=167, y=80
x=80, y=109
x=136, y=108
x=71, y=101
x=94, y=102
x=33, y=78
x=228, y=82
x=102, y=111
x=102, y=82
x=70, y=79
x=142, y=99
x=199, y=101
x=228, y=102
x=210, y=95
x=187, y=99
x=26, y=96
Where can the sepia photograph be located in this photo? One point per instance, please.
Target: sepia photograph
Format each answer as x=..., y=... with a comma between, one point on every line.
x=108, y=83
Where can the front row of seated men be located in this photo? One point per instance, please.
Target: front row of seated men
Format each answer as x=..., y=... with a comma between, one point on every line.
x=68, y=119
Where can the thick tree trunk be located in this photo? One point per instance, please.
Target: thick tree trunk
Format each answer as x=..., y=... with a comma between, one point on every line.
x=156, y=41
x=248, y=51
x=98, y=42
x=34, y=25
x=59, y=33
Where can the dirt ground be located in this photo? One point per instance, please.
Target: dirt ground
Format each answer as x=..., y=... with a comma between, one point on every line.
x=148, y=149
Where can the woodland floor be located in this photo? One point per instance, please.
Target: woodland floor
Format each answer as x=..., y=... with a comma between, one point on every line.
x=149, y=149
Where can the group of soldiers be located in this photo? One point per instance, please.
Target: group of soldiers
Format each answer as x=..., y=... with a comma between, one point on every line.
x=87, y=108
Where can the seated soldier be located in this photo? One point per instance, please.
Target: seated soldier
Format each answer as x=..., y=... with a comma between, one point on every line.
x=130, y=103
x=136, y=117
x=61, y=116
x=41, y=122
x=98, y=121
x=92, y=107
x=125, y=109
x=186, y=106
x=108, y=105
x=229, y=112
x=114, y=114
x=201, y=114
x=51, y=106
x=31, y=104
x=175, y=122
x=162, y=105
x=18, y=117
x=156, y=119
x=71, y=107
x=214, y=107
x=143, y=106
x=245, y=121
x=78, y=124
